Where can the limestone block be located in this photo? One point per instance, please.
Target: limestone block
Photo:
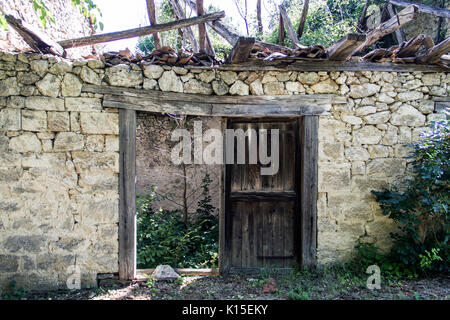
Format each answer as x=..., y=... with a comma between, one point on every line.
x=387, y=167
x=39, y=66
x=85, y=161
x=219, y=87
x=95, y=142
x=149, y=84
x=83, y=104
x=68, y=141
x=90, y=76
x=358, y=167
x=402, y=151
x=32, y=243
x=99, y=123
x=95, y=64
x=44, y=103
x=404, y=134
x=407, y=115
x=71, y=85
x=256, y=87
x=27, y=142
x=111, y=143
x=15, y=102
x=309, y=78
x=431, y=79
x=356, y=154
x=122, y=75
x=294, y=87
x=9, y=87
x=165, y=273
x=9, y=263
x=333, y=176
x=10, y=119
x=195, y=86
x=351, y=119
x=207, y=76
x=409, y=96
x=34, y=120
x=378, y=151
x=49, y=85
x=327, y=86
x=58, y=121
x=169, y=81
x=377, y=118
x=331, y=150
x=60, y=67
x=362, y=111
x=273, y=88
x=153, y=71
x=438, y=91
x=364, y=90
x=367, y=135
x=229, y=77
x=239, y=88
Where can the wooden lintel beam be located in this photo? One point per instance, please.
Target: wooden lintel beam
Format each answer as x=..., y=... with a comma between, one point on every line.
x=342, y=49
x=440, y=12
x=406, y=15
x=198, y=99
x=241, y=50
x=137, y=32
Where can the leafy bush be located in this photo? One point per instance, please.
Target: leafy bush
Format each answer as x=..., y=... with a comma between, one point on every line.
x=163, y=237
x=421, y=208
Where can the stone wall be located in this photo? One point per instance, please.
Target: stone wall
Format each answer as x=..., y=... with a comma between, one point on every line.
x=69, y=24
x=59, y=155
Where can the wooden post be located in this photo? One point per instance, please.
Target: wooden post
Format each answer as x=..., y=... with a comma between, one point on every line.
x=399, y=32
x=201, y=27
x=258, y=17
x=301, y=25
x=308, y=188
x=152, y=18
x=288, y=25
x=127, y=194
x=179, y=12
x=224, y=250
x=281, y=31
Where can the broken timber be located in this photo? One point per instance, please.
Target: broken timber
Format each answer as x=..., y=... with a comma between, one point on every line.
x=35, y=39
x=440, y=12
x=434, y=54
x=241, y=50
x=137, y=32
x=342, y=49
x=288, y=25
x=406, y=15
x=231, y=106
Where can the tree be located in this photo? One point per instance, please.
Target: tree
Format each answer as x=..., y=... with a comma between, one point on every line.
x=152, y=18
x=301, y=24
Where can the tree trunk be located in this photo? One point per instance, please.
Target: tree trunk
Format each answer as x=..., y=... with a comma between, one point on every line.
x=281, y=31
x=152, y=18
x=301, y=25
x=258, y=16
x=362, y=21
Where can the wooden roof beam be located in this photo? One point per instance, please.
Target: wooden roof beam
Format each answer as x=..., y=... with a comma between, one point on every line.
x=342, y=49
x=137, y=32
x=406, y=15
x=241, y=50
x=288, y=26
x=434, y=54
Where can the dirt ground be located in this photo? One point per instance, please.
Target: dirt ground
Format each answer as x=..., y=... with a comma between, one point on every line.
x=328, y=285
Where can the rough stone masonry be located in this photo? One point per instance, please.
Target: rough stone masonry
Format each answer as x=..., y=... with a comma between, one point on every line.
x=59, y=155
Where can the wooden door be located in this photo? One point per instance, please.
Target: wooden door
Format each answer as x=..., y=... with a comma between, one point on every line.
x=261, y=219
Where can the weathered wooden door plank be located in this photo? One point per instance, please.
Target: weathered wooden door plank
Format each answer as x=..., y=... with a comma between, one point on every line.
x=127, y=192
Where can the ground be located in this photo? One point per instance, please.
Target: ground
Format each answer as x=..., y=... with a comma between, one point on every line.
x=327, y=284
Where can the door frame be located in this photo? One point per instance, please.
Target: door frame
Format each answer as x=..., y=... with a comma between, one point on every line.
x=307, y=180
x=306, y=107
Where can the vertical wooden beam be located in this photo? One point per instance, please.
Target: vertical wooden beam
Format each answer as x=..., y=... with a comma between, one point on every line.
x=127, y=194
x=399, y=32
x=308, y=188
x=224, y=250
x=258, y=17
x=301, y=25
x=201, y=27
x=152, y=17
x=281, y=31
x=288, y=25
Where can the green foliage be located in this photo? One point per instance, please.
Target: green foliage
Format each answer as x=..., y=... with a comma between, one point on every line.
x=420, y=208
x=87, y=8
x=14, y=293
x=146, y=45
x=163, y=238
